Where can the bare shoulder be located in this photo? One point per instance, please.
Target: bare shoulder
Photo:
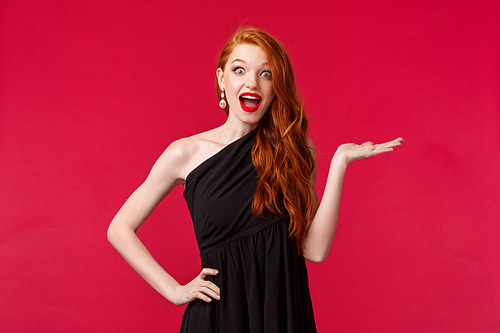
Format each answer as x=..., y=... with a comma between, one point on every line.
x=185, y=154
x=310, y=143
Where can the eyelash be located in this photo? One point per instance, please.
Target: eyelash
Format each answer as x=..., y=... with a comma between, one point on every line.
x=269, y=76
x=238, y=68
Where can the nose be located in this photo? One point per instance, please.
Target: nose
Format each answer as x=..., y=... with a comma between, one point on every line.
x=252, y=81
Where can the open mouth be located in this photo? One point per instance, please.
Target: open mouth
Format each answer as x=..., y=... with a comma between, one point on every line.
x=250, y=102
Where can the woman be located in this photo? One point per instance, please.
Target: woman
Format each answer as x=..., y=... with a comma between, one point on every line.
x=249, y=186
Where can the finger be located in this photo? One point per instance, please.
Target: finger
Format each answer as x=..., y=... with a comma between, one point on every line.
x=384, y=146
x=206, y=291
x=212, y=286
x=207, y=271
x=203, y=297
x=398, y=141
x=381, y=151
x=206, y=284
x=389, y=144
x=209, y=292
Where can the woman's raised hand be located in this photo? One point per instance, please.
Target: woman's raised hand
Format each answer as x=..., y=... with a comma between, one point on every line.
x=352, y=152
x=197, y=288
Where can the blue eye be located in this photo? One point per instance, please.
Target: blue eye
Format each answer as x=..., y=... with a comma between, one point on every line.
x=266, y=74
x=239, y=70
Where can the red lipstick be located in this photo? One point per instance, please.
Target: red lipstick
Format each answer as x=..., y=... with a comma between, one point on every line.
x=251, y=98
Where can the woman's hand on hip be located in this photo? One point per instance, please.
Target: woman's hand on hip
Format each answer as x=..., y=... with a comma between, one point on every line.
x=197, y=288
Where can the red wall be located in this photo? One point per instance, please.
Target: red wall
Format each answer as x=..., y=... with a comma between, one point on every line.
x=91, y=93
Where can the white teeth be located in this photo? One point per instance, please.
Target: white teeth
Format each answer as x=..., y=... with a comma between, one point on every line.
x=249, y=97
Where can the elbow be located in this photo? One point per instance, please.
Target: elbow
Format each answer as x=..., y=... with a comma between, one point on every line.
x=315, y=251
x=118, y=234
x=111, y=234
x=316, y=257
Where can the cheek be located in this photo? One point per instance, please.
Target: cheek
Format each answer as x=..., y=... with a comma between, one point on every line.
x=231, y=86
x=268, y=86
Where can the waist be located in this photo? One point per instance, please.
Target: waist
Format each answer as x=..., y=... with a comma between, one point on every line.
x=241, y=234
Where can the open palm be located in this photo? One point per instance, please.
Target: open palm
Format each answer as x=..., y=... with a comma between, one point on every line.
x=352, y=152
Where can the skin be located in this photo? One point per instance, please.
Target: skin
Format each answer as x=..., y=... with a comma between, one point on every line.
x=245, y=71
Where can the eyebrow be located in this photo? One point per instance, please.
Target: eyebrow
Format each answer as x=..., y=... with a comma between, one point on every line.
x=239, y=60
x=243, y=61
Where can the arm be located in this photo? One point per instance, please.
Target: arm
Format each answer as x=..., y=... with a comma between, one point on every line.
x=323, y=223
x=164, y=176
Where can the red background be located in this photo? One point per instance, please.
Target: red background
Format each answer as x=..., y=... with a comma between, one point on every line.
x=91, y=93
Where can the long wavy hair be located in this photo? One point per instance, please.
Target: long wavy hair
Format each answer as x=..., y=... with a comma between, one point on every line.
x=281, y=154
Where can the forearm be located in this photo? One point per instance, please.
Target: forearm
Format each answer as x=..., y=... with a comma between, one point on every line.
x=126, y=242
x=322, y=228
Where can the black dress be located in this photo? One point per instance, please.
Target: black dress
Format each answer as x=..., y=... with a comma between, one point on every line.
x=263, y=282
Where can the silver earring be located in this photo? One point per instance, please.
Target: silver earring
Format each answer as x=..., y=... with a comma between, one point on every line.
x=222, y=102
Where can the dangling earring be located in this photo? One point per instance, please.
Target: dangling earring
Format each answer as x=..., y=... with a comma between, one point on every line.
x=222, y=102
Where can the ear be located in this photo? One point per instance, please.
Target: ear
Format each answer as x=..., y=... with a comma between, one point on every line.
x=220, y=78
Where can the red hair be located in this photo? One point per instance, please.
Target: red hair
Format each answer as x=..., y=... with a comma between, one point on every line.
x=281, y=154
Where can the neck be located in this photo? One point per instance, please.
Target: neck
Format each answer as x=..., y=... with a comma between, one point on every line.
x=230, y=132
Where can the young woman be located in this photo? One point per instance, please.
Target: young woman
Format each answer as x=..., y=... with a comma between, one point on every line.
x=249, y=186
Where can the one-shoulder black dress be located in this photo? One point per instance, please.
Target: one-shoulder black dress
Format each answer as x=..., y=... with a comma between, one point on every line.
x=263, y=281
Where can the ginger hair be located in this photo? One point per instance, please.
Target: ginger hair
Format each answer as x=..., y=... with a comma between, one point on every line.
x=281, y=154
